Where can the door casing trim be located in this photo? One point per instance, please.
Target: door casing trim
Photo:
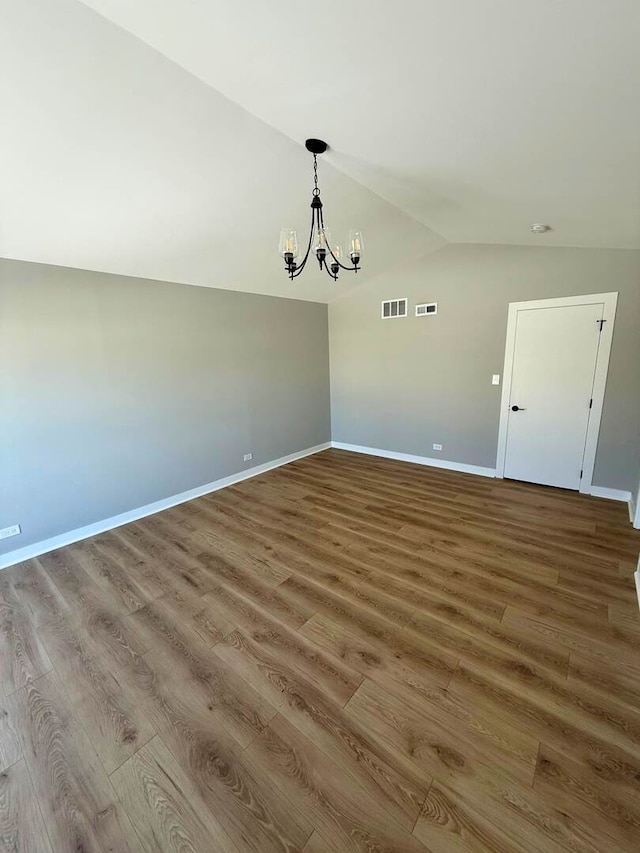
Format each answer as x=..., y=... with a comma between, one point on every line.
x=610, y=301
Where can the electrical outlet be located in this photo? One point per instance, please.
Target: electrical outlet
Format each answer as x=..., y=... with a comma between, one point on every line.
x=437, y=447
x=495, y=379
x=248, y=457
x=6, y=532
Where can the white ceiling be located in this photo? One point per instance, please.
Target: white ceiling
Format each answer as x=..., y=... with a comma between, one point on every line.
x=171, y=153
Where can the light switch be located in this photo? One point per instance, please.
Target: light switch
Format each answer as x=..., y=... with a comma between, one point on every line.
x=495, y=379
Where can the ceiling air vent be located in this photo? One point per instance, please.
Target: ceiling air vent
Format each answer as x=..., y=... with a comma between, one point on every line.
x=426, y=308
x=394, y=308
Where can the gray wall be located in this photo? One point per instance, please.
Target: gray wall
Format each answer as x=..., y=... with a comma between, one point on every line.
x=404, y=384
x=116, y=392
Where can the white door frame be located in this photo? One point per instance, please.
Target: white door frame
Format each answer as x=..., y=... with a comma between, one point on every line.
x=610, y=301
x=634, y=512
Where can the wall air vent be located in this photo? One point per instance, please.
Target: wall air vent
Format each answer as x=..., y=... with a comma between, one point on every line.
x=426, y=308
x=394, y=308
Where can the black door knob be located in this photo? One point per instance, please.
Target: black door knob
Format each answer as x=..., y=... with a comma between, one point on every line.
x=517, y=409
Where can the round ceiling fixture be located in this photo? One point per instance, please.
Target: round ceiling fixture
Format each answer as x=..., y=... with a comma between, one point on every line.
x=316, y=146
x=539, y=228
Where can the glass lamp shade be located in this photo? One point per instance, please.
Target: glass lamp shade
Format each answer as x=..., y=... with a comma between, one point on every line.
x=322, y=241
x=334, y=260
x=355, y=244
x=289, y=243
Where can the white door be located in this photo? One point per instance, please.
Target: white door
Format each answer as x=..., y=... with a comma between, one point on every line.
x=554, y=363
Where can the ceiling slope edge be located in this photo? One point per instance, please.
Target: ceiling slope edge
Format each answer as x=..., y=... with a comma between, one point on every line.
x=150, y=172
x=336, y=159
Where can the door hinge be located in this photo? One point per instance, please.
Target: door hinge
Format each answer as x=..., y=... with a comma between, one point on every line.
x=601, y=322
x=591, y=402
x=581, y=473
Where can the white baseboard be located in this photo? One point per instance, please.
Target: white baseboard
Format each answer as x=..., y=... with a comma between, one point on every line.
x=71, y=536
x=610, y=494
x=30, y=551
x=596, y=491
x=418, y=460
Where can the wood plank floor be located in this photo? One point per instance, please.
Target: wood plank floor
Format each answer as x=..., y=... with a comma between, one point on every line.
x=344, y=654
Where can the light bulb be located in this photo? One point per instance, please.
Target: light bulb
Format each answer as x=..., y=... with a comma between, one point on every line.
x=336, y=252
x=322, y=241
x=355, y=246
x=289, y=244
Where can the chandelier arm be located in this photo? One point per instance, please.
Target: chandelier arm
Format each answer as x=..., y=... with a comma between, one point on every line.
x=327, y=270
x=297, y=272
x=303, y=263
x=340, y=264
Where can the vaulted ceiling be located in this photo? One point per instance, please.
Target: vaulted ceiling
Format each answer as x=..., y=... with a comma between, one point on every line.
x=162, y=138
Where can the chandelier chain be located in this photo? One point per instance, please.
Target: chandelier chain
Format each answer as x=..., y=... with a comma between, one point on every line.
x=316, y=190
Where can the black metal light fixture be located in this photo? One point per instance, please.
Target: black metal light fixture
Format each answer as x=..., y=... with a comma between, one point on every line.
x=329, y=255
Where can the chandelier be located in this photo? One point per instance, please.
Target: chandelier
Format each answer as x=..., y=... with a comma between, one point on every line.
x=330, y=256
